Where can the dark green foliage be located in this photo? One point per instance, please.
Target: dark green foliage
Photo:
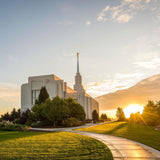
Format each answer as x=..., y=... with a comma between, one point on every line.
x=14, y=115
x=76, y=110
x=95, y=116
x=24, y=117
x=37, y=113
x=9, y=126
x=6, y=117
x=55, y=112
x=71, y=122
x=120, y=114
x=103, y=116
x=43, y=96
x=151, y=113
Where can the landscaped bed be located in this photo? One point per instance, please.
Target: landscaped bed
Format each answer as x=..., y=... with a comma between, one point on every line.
x=41, y=145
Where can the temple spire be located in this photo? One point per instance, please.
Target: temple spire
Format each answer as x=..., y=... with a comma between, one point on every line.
x=77, y=62
x=78, y=79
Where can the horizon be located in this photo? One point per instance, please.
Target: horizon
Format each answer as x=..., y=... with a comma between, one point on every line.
x=118, y=44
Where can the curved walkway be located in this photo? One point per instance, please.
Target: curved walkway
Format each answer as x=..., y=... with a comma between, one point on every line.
x=121, y=148
x=124, y=149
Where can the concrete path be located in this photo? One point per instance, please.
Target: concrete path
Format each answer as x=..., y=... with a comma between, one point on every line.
x=66, y=128
x=121, y=148
x=124, y=149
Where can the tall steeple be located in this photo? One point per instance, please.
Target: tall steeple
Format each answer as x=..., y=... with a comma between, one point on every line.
x=78, y=79
x=77, y=62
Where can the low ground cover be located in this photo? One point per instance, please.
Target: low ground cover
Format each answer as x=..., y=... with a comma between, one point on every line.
x=59, y=145
x=140, y=133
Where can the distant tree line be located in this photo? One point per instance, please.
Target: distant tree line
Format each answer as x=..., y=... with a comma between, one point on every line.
x=150, y=115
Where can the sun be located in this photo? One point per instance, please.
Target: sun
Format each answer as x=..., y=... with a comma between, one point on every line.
x=133, y=108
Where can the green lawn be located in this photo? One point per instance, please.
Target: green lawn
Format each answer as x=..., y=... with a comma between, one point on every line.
x=143, y=134
x=58, y=145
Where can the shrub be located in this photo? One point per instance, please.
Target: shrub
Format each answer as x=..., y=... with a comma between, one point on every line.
x=36, y=125
x=71, y=122
x=9, y=126
x=88, y=121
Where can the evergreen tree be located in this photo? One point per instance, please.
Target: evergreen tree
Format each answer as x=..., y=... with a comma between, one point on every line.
x=120, y=114
x=95, y=116
x=76, y=110
x=43, y=96
x=6, y=117
x=103, y=116
x=15, y=114
x=56, y=110
x=24, y=117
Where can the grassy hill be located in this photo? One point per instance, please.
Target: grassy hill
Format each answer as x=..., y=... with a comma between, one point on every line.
x=60, y=145
x=143, y=91
x=143, y=134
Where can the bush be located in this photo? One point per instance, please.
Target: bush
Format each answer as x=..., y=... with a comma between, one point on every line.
x=71, y=122
x=9, y=126
x=88, y=121
x=36, y=125
x=40, y=124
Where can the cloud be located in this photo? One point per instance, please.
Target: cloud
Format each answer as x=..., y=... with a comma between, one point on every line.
x=147, y=1
x=106, y=9
x=124, y=18
x=88, y=23
x=120, y=81
x=129, y=75
x=101, y=15
x=149, y=60
x=123, y=12
x=152, y=64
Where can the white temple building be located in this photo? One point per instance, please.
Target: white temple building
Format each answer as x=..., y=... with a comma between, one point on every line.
x=56, y=86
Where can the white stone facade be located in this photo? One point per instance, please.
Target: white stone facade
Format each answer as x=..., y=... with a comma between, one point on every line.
x=56, y=86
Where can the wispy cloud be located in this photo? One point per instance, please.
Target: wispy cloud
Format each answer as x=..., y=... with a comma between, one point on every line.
x=88, y=23
x=124, y=12
x=120, y=81
x=101, y=16
x=149, y=61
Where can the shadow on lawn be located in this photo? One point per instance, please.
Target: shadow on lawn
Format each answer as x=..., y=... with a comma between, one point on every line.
x=8, y=135
x=116, y=128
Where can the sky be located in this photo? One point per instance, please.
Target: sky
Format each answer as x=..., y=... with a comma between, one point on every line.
x=118, y=42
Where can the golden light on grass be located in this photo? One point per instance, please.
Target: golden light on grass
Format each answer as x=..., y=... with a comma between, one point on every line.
x=133, y=108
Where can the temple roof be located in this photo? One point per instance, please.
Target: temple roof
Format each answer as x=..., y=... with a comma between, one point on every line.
x=87, y=95
x=56, y=78
x=70, y=90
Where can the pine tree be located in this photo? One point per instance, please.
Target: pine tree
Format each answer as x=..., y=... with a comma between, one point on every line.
x=95, y=116
x=43, y=96
x=120, y=114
